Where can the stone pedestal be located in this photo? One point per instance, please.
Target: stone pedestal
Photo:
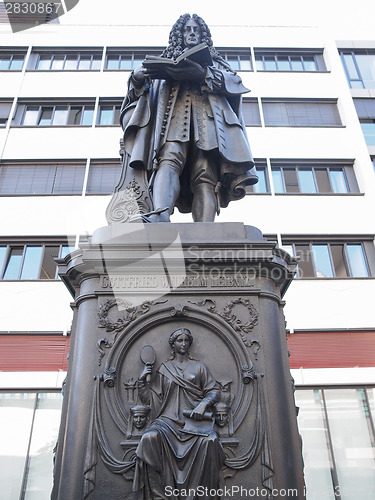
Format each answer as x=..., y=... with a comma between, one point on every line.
x=133, y=285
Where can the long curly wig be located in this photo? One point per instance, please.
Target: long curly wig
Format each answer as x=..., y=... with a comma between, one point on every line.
x=176, y=40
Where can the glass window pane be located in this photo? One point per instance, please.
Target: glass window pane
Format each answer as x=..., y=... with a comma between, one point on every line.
x=71, y=62
x=259, y=63
x=60, y=116
x=309, y=63
x=43, y=441
x=337, y=252
x=321, y=176
x=3, y=253
x=31, y=116
x=69, y=179
x=58, y=62
x=75, y=115
x=316, y=457
x=354, y=455
x=305, y=266
x=45, y=116
x=125, y=63
x=350, y=67
x=366, y=65
x=48, y=270
x=96, y=62
x=88, y=115
x=102, y=179
x=234, y=62
x=269, y=63
x=277, y=179
x=368, y=130
x=357, y=262
x=4, y=63
x=16, y=415
x=12, y=270
x=338, y=181
x=31, y=263
x=322, y=261
x=261, y=186
x=296, y=63
x=290, y=179
x=283, y=63
x=306, y=181
x=113, y=62
x=84, y=63
x=17, y=63
x=106, y=115
x=245, y=63
x=44, y=62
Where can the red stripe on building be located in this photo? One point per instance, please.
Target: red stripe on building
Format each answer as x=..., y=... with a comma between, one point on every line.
x=332, y=349
x=33, y=352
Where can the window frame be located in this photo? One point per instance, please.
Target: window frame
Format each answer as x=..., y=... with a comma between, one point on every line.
x=116, y=108
x=24, y=106
x=317, y=54
x=288, y=113
x=31, y=243
x=95, y=54
x=13, y=53
x=134, y=54
x=345, y=166
x=353, y=53
x=365, y=241
x=54, y=165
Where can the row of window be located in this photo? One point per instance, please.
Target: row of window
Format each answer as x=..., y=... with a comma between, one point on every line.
x=122, y=59
x=58, y=178
x=332, y=259
x=317, y=259
x=359, y=64
x=276, y=112
x=31, y=262
x=68, y=178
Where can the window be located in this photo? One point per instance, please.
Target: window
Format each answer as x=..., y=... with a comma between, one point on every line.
x=337, y=430
x=75, y=61
x=48, y=115
x=29, y=425
x=109, y=112
x=359, y=67
x=262, y=186
x=127, y=60
x=318, y=178
x=239, y=60
x=334, y=259
x=250, y=112
x=31, y=261
x=286, y=60
x=300, y=113
x=103, y=177
x=12, y=60
x=5, y=107
x=366, y=113
x=41, y=178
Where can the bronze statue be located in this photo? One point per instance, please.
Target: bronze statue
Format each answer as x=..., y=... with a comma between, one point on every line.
x=183, y=125
x=179, y=451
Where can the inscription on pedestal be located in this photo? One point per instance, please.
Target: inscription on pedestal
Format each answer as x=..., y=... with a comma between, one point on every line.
x=161, y=282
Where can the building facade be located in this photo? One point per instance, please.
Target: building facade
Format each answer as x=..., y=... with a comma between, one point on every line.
x=310, y=119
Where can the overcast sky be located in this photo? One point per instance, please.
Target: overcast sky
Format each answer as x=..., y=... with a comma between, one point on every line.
x=345, y=18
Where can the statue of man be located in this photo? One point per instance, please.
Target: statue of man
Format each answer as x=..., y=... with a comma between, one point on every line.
x=183, y=125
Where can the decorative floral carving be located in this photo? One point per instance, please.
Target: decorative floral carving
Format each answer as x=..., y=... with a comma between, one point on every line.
x=241, y=327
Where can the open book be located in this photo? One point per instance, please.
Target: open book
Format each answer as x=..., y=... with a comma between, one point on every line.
x=199, y=53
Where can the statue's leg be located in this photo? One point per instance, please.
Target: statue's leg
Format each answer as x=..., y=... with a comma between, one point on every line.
x=203, y=182
x=166, y=186
x=165, y=190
